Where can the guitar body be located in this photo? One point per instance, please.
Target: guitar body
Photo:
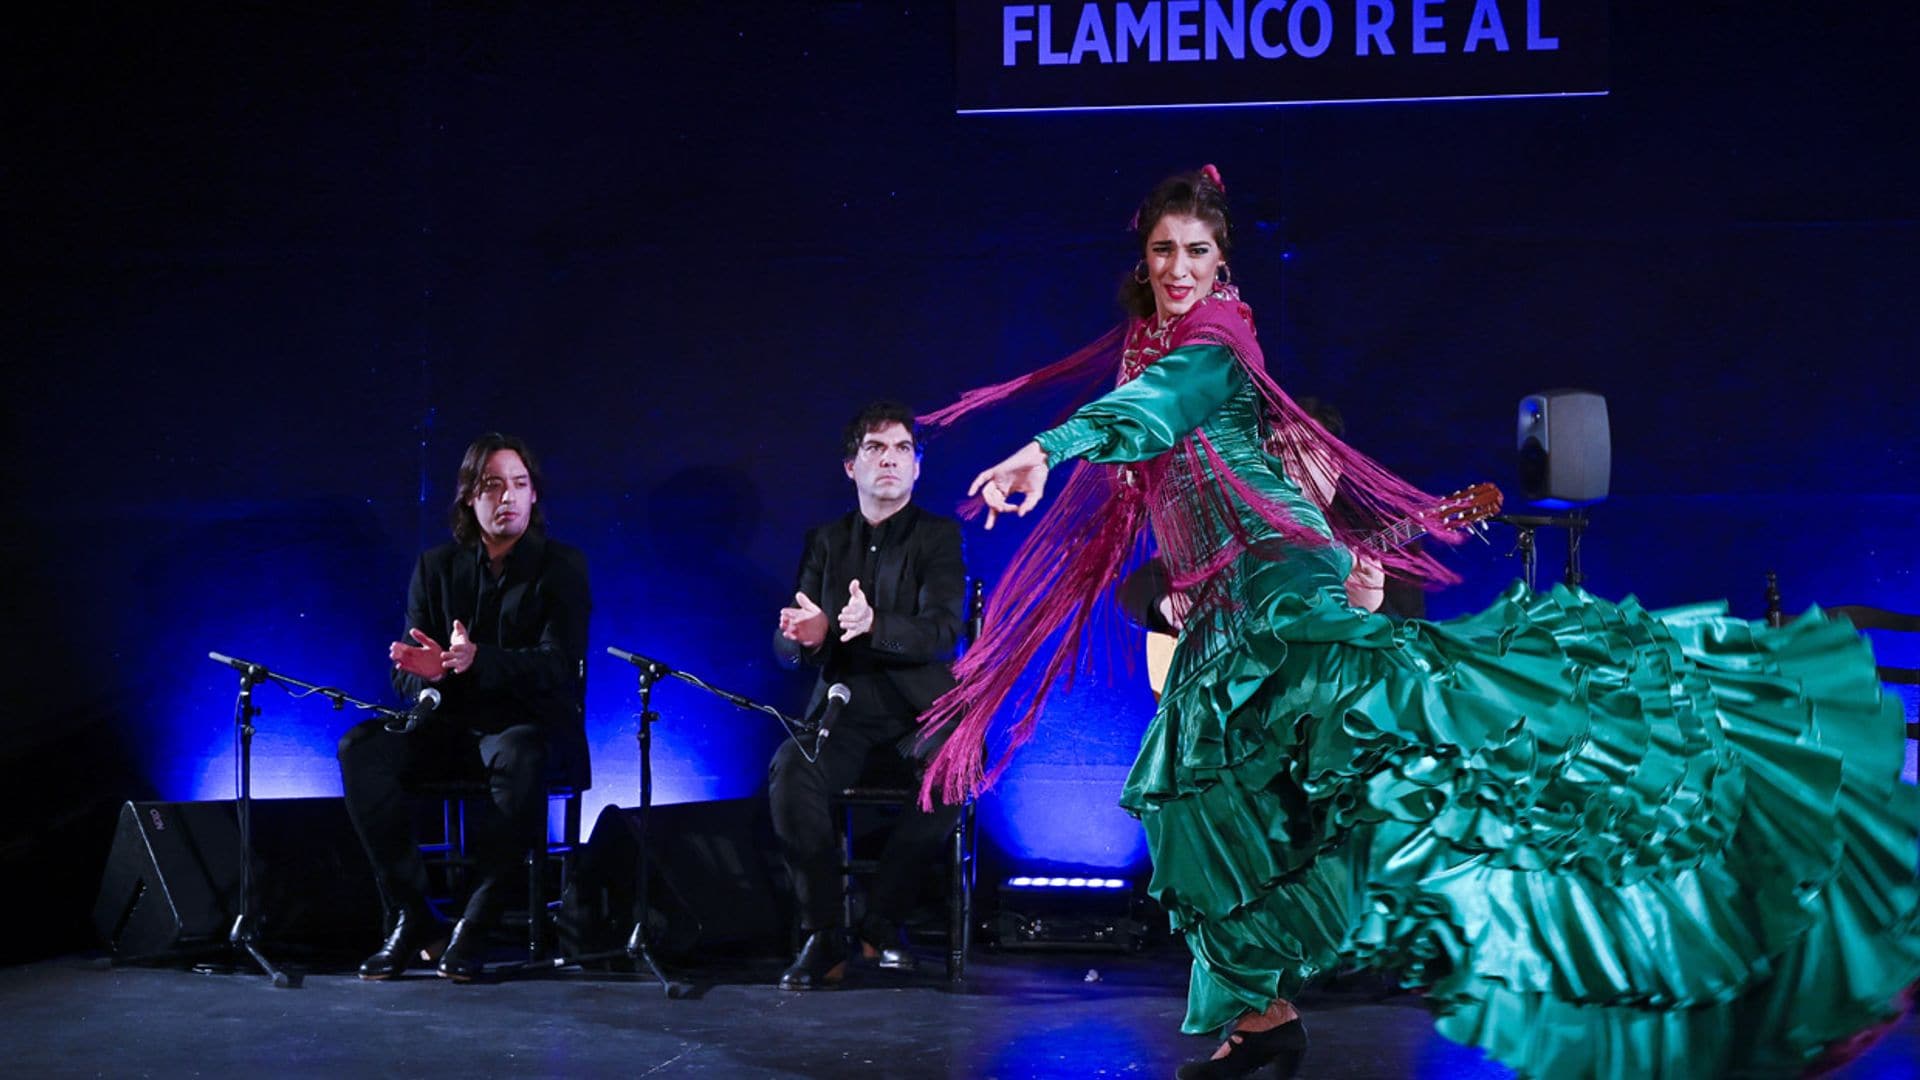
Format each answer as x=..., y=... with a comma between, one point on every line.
x=1461, y=510
x=1159, y=659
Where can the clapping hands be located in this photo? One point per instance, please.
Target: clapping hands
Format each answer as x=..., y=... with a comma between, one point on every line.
x=857, y=617
x=428, y=659
x=806, y=625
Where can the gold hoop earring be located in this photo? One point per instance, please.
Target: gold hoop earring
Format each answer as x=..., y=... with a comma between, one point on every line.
x=1140, y=272
x=1223, y=276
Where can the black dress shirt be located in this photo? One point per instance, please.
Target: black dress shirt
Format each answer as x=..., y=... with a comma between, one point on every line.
x=529, y=629
x=912, y=569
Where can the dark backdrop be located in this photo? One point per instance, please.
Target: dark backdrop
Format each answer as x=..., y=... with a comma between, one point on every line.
x=271, y=266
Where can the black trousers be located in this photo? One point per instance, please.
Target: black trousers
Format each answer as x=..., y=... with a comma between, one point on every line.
x=379, y=770
x=810, y=838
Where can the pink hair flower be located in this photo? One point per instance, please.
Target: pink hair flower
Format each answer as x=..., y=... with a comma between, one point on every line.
x=1213, y=174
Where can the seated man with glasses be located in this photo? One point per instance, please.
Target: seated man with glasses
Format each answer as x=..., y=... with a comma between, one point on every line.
x=879, y=607
x=497, y=626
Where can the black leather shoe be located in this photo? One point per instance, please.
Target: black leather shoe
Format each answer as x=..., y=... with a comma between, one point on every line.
x=1284, y=1046
x=883, y=945
x=466, y=955
x=411, y=929
x=821, y=965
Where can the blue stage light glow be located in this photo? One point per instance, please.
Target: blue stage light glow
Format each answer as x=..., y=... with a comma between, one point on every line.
x=285, y=586
x=1058, y=803
x=1440, y=1057
x=277, y=585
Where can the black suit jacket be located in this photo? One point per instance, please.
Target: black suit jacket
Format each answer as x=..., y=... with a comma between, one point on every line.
x=918, y=595
x=529, y=664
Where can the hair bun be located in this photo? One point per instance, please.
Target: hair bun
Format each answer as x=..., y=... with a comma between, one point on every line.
x=1213, y=174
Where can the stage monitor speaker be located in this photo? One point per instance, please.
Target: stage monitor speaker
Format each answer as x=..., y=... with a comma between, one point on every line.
x=1566, y=454
x=171, y=886
x=711, y=885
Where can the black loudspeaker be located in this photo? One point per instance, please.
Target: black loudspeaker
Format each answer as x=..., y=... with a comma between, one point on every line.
x=1566, y=454
x=172, y=883
x=711, y=886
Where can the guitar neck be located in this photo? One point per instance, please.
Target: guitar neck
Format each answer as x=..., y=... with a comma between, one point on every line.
x=1405, y=531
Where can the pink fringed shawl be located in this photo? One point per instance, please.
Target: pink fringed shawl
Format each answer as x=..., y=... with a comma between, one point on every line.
x=1096, y=523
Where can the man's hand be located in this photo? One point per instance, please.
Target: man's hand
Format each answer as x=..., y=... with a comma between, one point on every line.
x=459, y=655
x=804, y=622
x=423, y=659
x=857, y=617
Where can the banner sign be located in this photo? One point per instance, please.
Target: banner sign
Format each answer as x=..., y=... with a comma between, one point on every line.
x=1133, y=54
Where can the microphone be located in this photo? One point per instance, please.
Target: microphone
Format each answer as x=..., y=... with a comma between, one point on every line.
x=245, y=667
x=651, y=667
x=422, y=710
x=837, y=697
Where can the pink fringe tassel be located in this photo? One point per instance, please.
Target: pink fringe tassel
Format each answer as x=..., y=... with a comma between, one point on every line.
x=1096, y=525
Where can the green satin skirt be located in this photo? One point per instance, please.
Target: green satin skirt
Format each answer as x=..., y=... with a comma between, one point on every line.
x=1603, y=841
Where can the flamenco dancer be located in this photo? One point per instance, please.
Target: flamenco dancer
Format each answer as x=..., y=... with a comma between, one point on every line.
x=1605, y=841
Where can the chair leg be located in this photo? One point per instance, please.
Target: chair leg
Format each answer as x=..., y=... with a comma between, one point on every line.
x=955, y=902
x=457, y=845
x=960, y=897
x=959, y=893
x=846, y=859
x=537, y=903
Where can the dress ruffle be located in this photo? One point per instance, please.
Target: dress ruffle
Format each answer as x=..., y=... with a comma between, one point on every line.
x=1605, y=841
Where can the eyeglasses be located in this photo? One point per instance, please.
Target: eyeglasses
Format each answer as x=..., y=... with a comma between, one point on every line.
x=873, y=449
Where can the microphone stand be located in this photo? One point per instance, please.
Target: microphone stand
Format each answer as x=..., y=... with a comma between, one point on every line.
x=245, y=935
x=636, y=948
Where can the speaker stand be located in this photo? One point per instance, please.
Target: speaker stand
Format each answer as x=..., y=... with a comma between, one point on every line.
x=1526, y=525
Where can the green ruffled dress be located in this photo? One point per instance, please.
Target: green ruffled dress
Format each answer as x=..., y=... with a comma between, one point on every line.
x=1606, y=841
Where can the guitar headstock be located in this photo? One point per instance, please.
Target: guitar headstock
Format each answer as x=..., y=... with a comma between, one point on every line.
x=1466, y=508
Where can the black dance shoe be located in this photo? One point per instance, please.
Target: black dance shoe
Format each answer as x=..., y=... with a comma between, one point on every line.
x=1284, y=1046
x=411, y=929
x=466, y=955
x=882, y=944
x=821, y=965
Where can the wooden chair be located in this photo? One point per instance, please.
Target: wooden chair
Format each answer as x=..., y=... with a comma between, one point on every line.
x=451, y=854
x=886, y=788
x=1863, y=617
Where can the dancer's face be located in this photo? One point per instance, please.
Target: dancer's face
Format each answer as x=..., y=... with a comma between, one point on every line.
x=1182, y=259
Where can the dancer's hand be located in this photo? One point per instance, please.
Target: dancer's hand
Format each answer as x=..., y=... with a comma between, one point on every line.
x=804, y=622
x=1025, y=473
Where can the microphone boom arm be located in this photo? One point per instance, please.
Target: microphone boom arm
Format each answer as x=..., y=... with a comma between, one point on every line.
x=260, y=673
x=654, y=669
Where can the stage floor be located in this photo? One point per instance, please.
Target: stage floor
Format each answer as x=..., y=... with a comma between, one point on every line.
x=1020, y=1015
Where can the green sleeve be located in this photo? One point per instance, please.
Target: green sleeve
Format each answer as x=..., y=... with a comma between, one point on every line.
x=1148, y=416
